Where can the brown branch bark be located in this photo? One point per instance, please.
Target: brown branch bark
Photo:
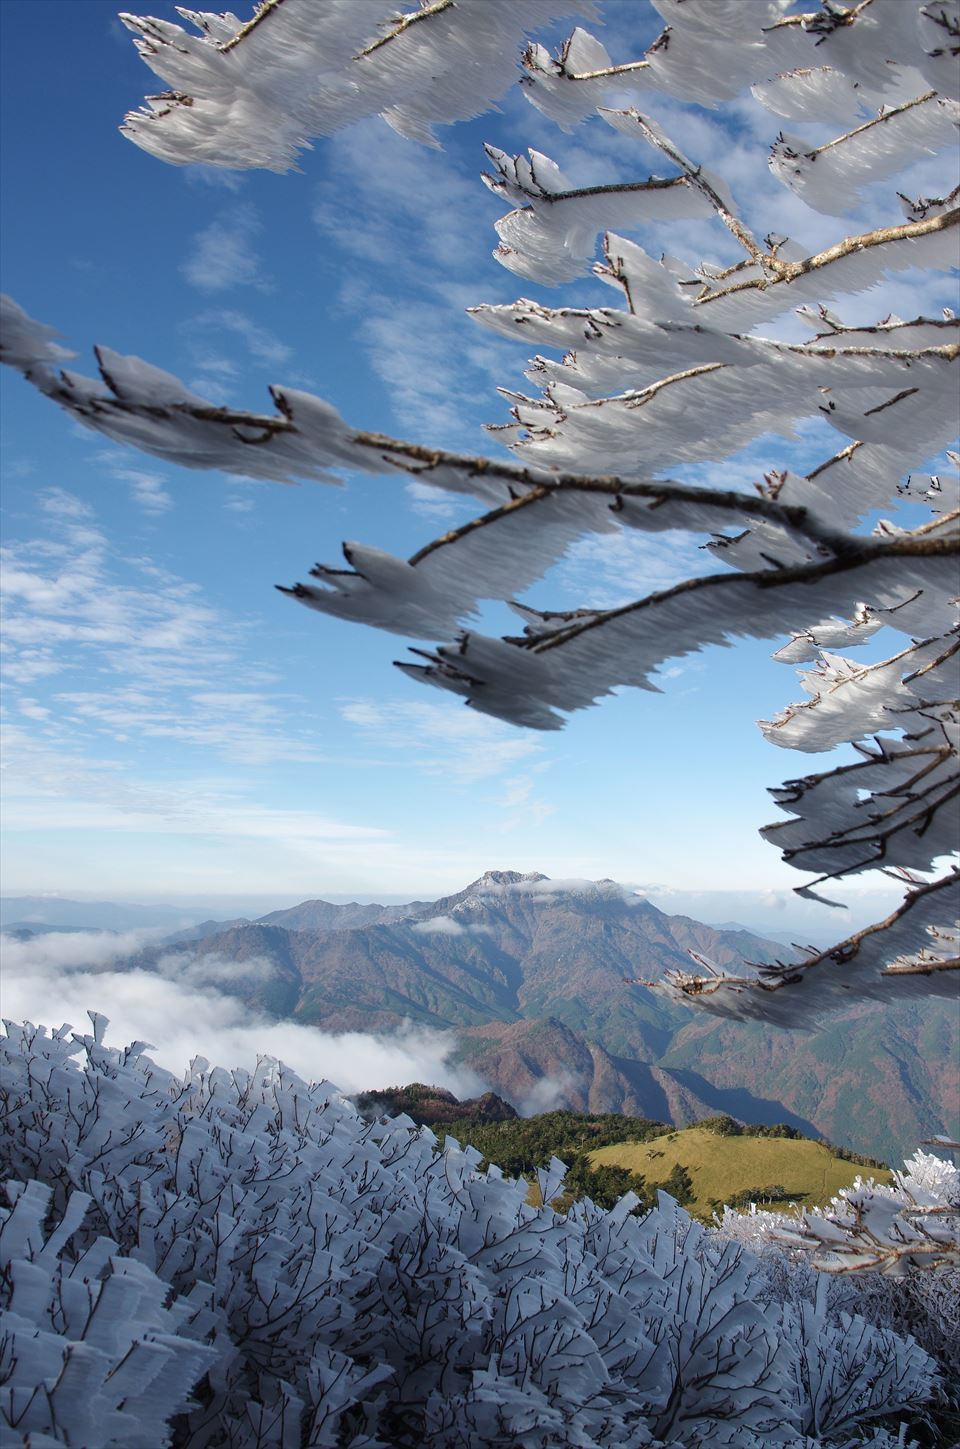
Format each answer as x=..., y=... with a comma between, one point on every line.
x=909, y=231
x=856, y=554
x=613, y=188
x=625, y=69
x=869, y=125
x=794, y=974
x=268, y=7
x=408, y=455
x=812, y=18
x=761, y=255
x=867, y=834
x=923, y=968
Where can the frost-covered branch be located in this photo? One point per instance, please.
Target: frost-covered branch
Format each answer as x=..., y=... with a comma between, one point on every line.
x=881, y=961
x=675, y=376
x=913, y=1224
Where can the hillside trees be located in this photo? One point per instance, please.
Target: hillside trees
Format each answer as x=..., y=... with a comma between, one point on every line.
x=692, y=363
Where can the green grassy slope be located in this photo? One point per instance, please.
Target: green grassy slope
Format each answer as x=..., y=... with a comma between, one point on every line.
x=724, y=1168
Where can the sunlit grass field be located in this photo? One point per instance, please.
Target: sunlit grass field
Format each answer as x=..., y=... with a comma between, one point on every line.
x=722, y=1168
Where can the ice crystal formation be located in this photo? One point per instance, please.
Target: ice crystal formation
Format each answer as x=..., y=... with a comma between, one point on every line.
x=689, y=363
x=239, y=1259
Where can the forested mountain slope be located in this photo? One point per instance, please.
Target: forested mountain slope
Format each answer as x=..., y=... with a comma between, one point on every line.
x=531, y=974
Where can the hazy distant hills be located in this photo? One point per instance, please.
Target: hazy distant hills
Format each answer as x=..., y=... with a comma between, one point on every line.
x=56, y=913
x=530, y=974
x=312, y=916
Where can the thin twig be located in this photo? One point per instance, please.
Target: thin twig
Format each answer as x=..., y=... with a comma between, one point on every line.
x=909, y=231
x=763, y=257
x=268, y=7
x=613, y=188
x=856, y=555
x=794, y=974
x=404, y=23
x=877, y=121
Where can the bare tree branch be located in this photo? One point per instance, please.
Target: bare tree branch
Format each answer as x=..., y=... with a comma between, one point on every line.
x=909, y=231
x=404, y=23
x=265, y=9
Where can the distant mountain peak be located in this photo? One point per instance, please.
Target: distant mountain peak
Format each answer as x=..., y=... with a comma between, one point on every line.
x=491, y=878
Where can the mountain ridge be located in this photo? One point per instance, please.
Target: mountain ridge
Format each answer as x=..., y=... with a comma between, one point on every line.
x=534, y=977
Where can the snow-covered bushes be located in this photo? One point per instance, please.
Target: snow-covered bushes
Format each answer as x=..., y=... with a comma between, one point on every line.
x=909, y=1230
x=90, y=1352
x=328, y=1282
x=910, y=1224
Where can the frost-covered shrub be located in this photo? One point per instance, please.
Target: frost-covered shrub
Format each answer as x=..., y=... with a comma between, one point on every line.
x=912, y=1223
x=829, y=1253
x=336, y=1282
x=91, y=1353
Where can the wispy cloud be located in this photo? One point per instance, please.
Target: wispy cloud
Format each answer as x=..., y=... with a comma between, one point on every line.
x=443, y=739
x=418, y=231
x=218, y=178
x=447, y=926
x=520, y=801
x=61, y=504
x=53, y=781
x=142, y=654
x=262, y=345
x=223, y=255
x=605, y=571
x=212, y=337
x=779, y=911
x=146, y=489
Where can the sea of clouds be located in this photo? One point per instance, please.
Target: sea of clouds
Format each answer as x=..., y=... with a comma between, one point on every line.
x=183, y=1008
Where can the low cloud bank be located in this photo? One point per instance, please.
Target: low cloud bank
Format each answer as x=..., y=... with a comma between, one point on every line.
x=547, y=1094
x=51, y=951
x=447, y=926
x=182, y=1010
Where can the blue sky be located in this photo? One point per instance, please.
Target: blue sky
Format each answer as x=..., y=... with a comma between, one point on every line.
x=178, y=729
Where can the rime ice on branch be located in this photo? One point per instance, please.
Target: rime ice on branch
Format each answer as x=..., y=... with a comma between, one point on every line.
x=331, y=1281
x=595, y=446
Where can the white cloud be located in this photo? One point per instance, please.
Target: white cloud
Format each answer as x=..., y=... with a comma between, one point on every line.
x=49, y=785
x=518, y=797
x=440, y=926
x=180, y=1011
x=51, y=953
x=447, y=926
x=214, y=971
x=217, y=177
x=560, y=886
x=411, y=215
x=153, y=659
x=607, y=570
x=62, y=504
x=32, y=709
x=212, y=338
x=446, y=509
x=223, y=255
x=780, y=910
x=443, y=739
x=262, y=345
x=239, y=504
x=146, y=489
x=547, y=1094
